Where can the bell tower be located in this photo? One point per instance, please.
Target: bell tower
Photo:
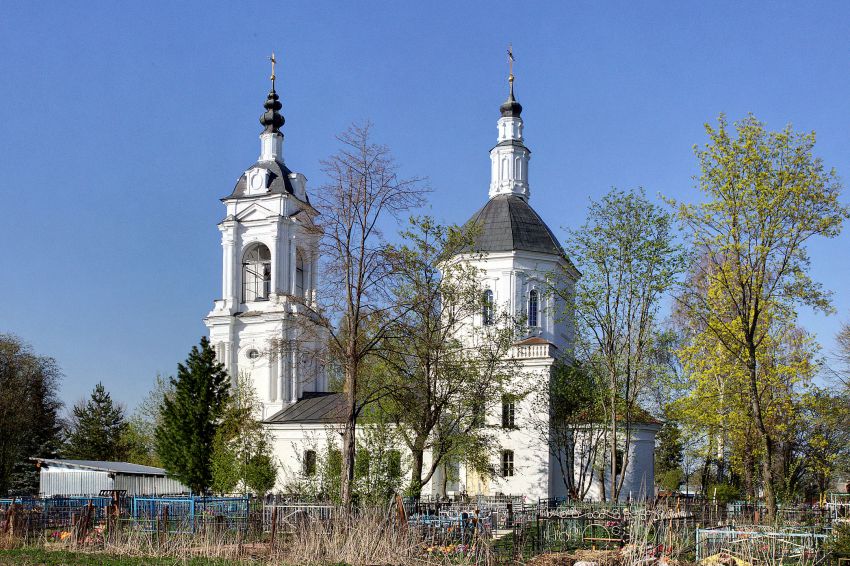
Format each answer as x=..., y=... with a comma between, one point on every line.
x=270, y=248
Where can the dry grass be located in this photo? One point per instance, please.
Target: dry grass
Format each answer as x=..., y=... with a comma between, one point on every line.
x=367, y=539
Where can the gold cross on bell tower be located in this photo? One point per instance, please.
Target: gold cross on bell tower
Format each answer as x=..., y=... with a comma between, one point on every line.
x=510, y=63
x=273, y=60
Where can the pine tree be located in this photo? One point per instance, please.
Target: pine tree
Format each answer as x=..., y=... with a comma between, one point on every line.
x=98, y=429
x=191, y=416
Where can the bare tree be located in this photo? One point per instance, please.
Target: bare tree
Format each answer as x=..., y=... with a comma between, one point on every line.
x=363, y=191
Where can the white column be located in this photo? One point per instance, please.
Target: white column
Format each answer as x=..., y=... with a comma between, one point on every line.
x=275, y=263
x=281, y=377
x=293, y=360
x=292, y=251
x=229, y=262
x=308, y=282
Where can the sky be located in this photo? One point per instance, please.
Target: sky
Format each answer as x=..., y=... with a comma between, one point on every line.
x=123, y=124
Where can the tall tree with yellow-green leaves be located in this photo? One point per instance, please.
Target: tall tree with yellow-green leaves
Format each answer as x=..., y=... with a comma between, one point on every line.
x=765, y=196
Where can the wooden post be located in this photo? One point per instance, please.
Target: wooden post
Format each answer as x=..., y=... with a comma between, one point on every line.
x=10, y=519
x=402, y=516
x=273, y=531
x=73, y=527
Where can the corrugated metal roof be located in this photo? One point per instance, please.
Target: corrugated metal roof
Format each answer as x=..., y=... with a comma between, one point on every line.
x=313, y=408
x=116, y=467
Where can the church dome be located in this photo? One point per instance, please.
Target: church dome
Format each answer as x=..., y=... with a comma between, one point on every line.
x=277, y=180
x=507, y=223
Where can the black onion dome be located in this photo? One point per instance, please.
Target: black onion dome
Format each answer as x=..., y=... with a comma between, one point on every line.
x=271, y=118
x=507, y=223
x=510, y=107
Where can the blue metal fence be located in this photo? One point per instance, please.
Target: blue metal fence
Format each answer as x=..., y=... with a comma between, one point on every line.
x=186, y=514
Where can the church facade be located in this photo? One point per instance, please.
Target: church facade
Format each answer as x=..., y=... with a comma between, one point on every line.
x=270, y=270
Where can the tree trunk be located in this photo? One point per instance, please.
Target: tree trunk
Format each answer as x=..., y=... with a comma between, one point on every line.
x=767, y=441
x=349, y=435
x=613, y=453
x=416, y=472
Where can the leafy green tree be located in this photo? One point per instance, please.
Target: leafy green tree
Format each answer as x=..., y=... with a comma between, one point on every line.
x=669, y=454
x=629, y=260
x=765, y=197
x=242, y=455
x=141, y=432
x=824, y=442
x=29, y=414
x=436, y=381
x=98, y=429
x=191, y=417
x=260, y=470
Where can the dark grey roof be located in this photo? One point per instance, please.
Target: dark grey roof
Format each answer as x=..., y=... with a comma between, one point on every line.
x=507, y=223
x=313, y=408
x=277, y=181
x=116, y=467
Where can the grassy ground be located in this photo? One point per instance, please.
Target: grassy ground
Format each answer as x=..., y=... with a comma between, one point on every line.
x=42, y=557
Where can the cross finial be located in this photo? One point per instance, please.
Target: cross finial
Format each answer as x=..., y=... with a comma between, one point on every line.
x=510, y=63
x=273, y=60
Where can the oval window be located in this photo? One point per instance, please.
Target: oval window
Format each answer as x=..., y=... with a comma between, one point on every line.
x=253, y=354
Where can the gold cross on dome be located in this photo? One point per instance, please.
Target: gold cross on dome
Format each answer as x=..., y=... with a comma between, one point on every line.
x=510, y=62
x=273, y=60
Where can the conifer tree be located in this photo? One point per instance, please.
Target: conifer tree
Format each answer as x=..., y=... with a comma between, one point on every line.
x=98, y=429
x=29, y=407
x=191, y=416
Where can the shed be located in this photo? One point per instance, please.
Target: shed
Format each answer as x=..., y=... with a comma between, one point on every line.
x=89, y=477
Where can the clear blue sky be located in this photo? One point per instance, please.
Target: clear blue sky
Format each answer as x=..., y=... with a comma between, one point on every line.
x=122, y=124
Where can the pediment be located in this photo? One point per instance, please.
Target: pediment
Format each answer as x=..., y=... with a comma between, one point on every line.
x=254, y=211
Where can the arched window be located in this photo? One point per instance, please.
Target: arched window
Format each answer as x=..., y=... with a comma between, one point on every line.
x=256, y=273
x=299, y=275
x=487, y=308
x=533, y=307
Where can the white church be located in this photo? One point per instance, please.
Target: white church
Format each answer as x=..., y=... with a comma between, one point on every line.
x=270, y=270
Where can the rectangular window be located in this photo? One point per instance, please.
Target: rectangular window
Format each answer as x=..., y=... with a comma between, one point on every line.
x=508, y=411
x=507, y=463
x=310, y=463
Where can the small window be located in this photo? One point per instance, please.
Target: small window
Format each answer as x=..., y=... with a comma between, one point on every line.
x=487, y=308
x=507, y=463
x=310, y=463
x=256, y=273
x=533, y=305
x=618, y=465
x=508, y=411
x=253, y=354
